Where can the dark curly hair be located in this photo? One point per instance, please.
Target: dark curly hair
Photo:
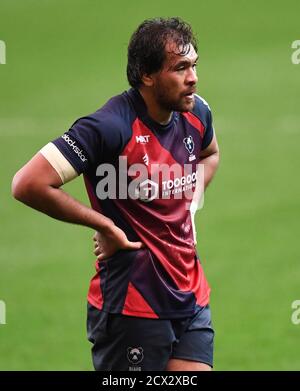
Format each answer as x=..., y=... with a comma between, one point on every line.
x=146, y=49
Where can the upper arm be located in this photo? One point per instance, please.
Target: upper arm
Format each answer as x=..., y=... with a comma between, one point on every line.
x=37, y=173
x=213, y=148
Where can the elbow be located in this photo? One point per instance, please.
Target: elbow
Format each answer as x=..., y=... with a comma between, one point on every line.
x=22, y=187
x=217, y=155
x=218, y=158
x=18, y=187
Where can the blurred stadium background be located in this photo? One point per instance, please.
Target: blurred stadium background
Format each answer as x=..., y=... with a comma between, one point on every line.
x=65, y=59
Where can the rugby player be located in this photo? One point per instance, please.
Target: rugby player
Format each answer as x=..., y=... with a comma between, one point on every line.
x=148, y=303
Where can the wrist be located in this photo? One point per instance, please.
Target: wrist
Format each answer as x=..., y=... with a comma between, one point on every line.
x=106, y=225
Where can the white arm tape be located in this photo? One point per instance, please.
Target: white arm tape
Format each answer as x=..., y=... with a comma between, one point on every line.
x=60, y=164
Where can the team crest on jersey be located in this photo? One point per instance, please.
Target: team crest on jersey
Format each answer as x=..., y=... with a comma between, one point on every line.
x=190, y=145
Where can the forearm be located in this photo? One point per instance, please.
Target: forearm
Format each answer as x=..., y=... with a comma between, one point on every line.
x=61, y=206
x=210, y=167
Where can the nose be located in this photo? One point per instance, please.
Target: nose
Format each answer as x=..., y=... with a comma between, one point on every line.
x=191, y=76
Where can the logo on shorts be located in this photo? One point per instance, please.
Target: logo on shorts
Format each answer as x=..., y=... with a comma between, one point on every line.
x=135, y=356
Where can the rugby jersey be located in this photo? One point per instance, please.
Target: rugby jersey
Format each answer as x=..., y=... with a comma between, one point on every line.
x=165, y=279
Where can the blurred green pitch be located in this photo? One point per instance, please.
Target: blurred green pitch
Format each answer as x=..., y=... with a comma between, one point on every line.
x=65, y=59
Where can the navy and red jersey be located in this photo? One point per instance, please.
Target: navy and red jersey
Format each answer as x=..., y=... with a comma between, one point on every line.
x=164, y=279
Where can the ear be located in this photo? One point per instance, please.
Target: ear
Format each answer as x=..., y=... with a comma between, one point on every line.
x=147, y=80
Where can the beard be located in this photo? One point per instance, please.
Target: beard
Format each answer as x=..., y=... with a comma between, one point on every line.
x=169, y=103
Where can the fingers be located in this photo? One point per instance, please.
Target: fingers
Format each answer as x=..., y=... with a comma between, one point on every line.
x=102, y=256
x=97, y=251
x=105, y=247
x=97, y=236
x=135, y=245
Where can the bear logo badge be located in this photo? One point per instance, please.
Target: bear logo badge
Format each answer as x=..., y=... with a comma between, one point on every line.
x=135, y=355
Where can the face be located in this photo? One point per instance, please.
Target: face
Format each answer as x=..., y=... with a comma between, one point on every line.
x=175, y=84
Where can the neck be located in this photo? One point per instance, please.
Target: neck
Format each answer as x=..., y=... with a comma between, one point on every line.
x=155, y=111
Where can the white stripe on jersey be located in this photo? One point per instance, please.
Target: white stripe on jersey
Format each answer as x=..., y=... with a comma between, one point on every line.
x=203, y=100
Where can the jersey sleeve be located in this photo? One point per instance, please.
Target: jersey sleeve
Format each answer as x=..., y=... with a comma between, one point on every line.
x=92, y=140
x=203, y=112
x=209, y=131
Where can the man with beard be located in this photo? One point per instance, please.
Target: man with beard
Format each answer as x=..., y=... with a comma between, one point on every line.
x=148, y=304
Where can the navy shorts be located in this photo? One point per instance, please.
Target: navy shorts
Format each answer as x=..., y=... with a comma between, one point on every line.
x=129, y=343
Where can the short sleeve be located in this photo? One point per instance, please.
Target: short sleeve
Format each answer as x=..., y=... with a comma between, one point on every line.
x=209, y=131
x=92, y=140
x=203, y=112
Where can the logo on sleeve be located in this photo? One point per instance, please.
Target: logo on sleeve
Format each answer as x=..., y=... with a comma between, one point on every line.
x=73, y=145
